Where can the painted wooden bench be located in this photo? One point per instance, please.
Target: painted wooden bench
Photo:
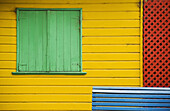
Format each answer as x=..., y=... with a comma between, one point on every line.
x=131, y=99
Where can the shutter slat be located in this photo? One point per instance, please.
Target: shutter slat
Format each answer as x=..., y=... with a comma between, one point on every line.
x=60, y=40
x=52, y=41
x=75, y=41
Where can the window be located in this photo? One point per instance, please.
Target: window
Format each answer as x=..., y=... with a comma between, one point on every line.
x=49, y=41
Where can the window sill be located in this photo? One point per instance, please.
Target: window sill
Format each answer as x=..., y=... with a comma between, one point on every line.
x=49, y=73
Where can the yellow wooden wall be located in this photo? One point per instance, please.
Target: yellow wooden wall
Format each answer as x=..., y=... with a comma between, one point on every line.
x=111, y=56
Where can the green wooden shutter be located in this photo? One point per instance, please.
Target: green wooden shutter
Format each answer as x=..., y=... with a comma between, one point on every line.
x=63, y=41
x=49, y=41
x=32, y=41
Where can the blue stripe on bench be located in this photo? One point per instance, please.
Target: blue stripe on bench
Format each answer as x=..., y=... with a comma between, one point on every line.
x=133, y=88
x=129, y=91
x=132, y=104
x=130, y=109
x=131, y=98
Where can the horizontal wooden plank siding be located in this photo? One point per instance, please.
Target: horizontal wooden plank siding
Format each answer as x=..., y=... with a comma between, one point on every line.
x=89, y=64
x=45, y=106
x=111, y=65
x=90, y=73
x=87, y=56
x=70, y=81
x=86, y=7
x=46, y=89
x=111, y=32
x=86, y=40
x=7, y=40
x=70, y=1
x=8, y=16
x=111, y=15
x=8, y=31
x=46, y=98
x=8, y=23
x=110, y=48
x=110, y=56
x=88, y=48
x=8, y=56
x=88, y=15
x=88, y=32
x=110, y=40
x=89, y=23
x=8, y=48
x=111, y=23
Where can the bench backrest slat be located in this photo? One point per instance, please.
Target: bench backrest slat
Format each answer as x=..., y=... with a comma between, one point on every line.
x=133, y=91
x=133, y=88
x=131, y=98
x=130, y=109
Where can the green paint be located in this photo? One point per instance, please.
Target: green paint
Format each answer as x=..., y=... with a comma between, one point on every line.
x=17, y=25
x=60, y=40
x=63, y=41
x=48, y=73
x=31, y=57
x=52, y=41
x=67, y=45
x=80, y=35
x=49, y=41
x=75, y=42
x=50, y=9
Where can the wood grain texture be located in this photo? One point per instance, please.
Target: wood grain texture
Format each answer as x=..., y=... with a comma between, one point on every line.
x=90, y=73
x=88, y=23
x=110, y=48
x=7, y=48
x=85, y=7
x=8, y=56
x=88, y=48
x=86, y=40
x=89, y=64
x=45, y=106
x=8, y=64
x=111, y=15
x=110, y=40
x=87, y=56
x=8, y=15
x=111, y=32
x=7, y=40
x=88, y=15
x=87, y=32
x=8, y=31
x=46, y=89
x=46, y=98
x=110, y=56
x=8, y=23
x=110, y=23
x=111, y=65
x=69, y=1
x=69, y=81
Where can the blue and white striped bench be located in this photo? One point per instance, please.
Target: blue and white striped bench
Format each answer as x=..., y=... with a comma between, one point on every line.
x=131, y=99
